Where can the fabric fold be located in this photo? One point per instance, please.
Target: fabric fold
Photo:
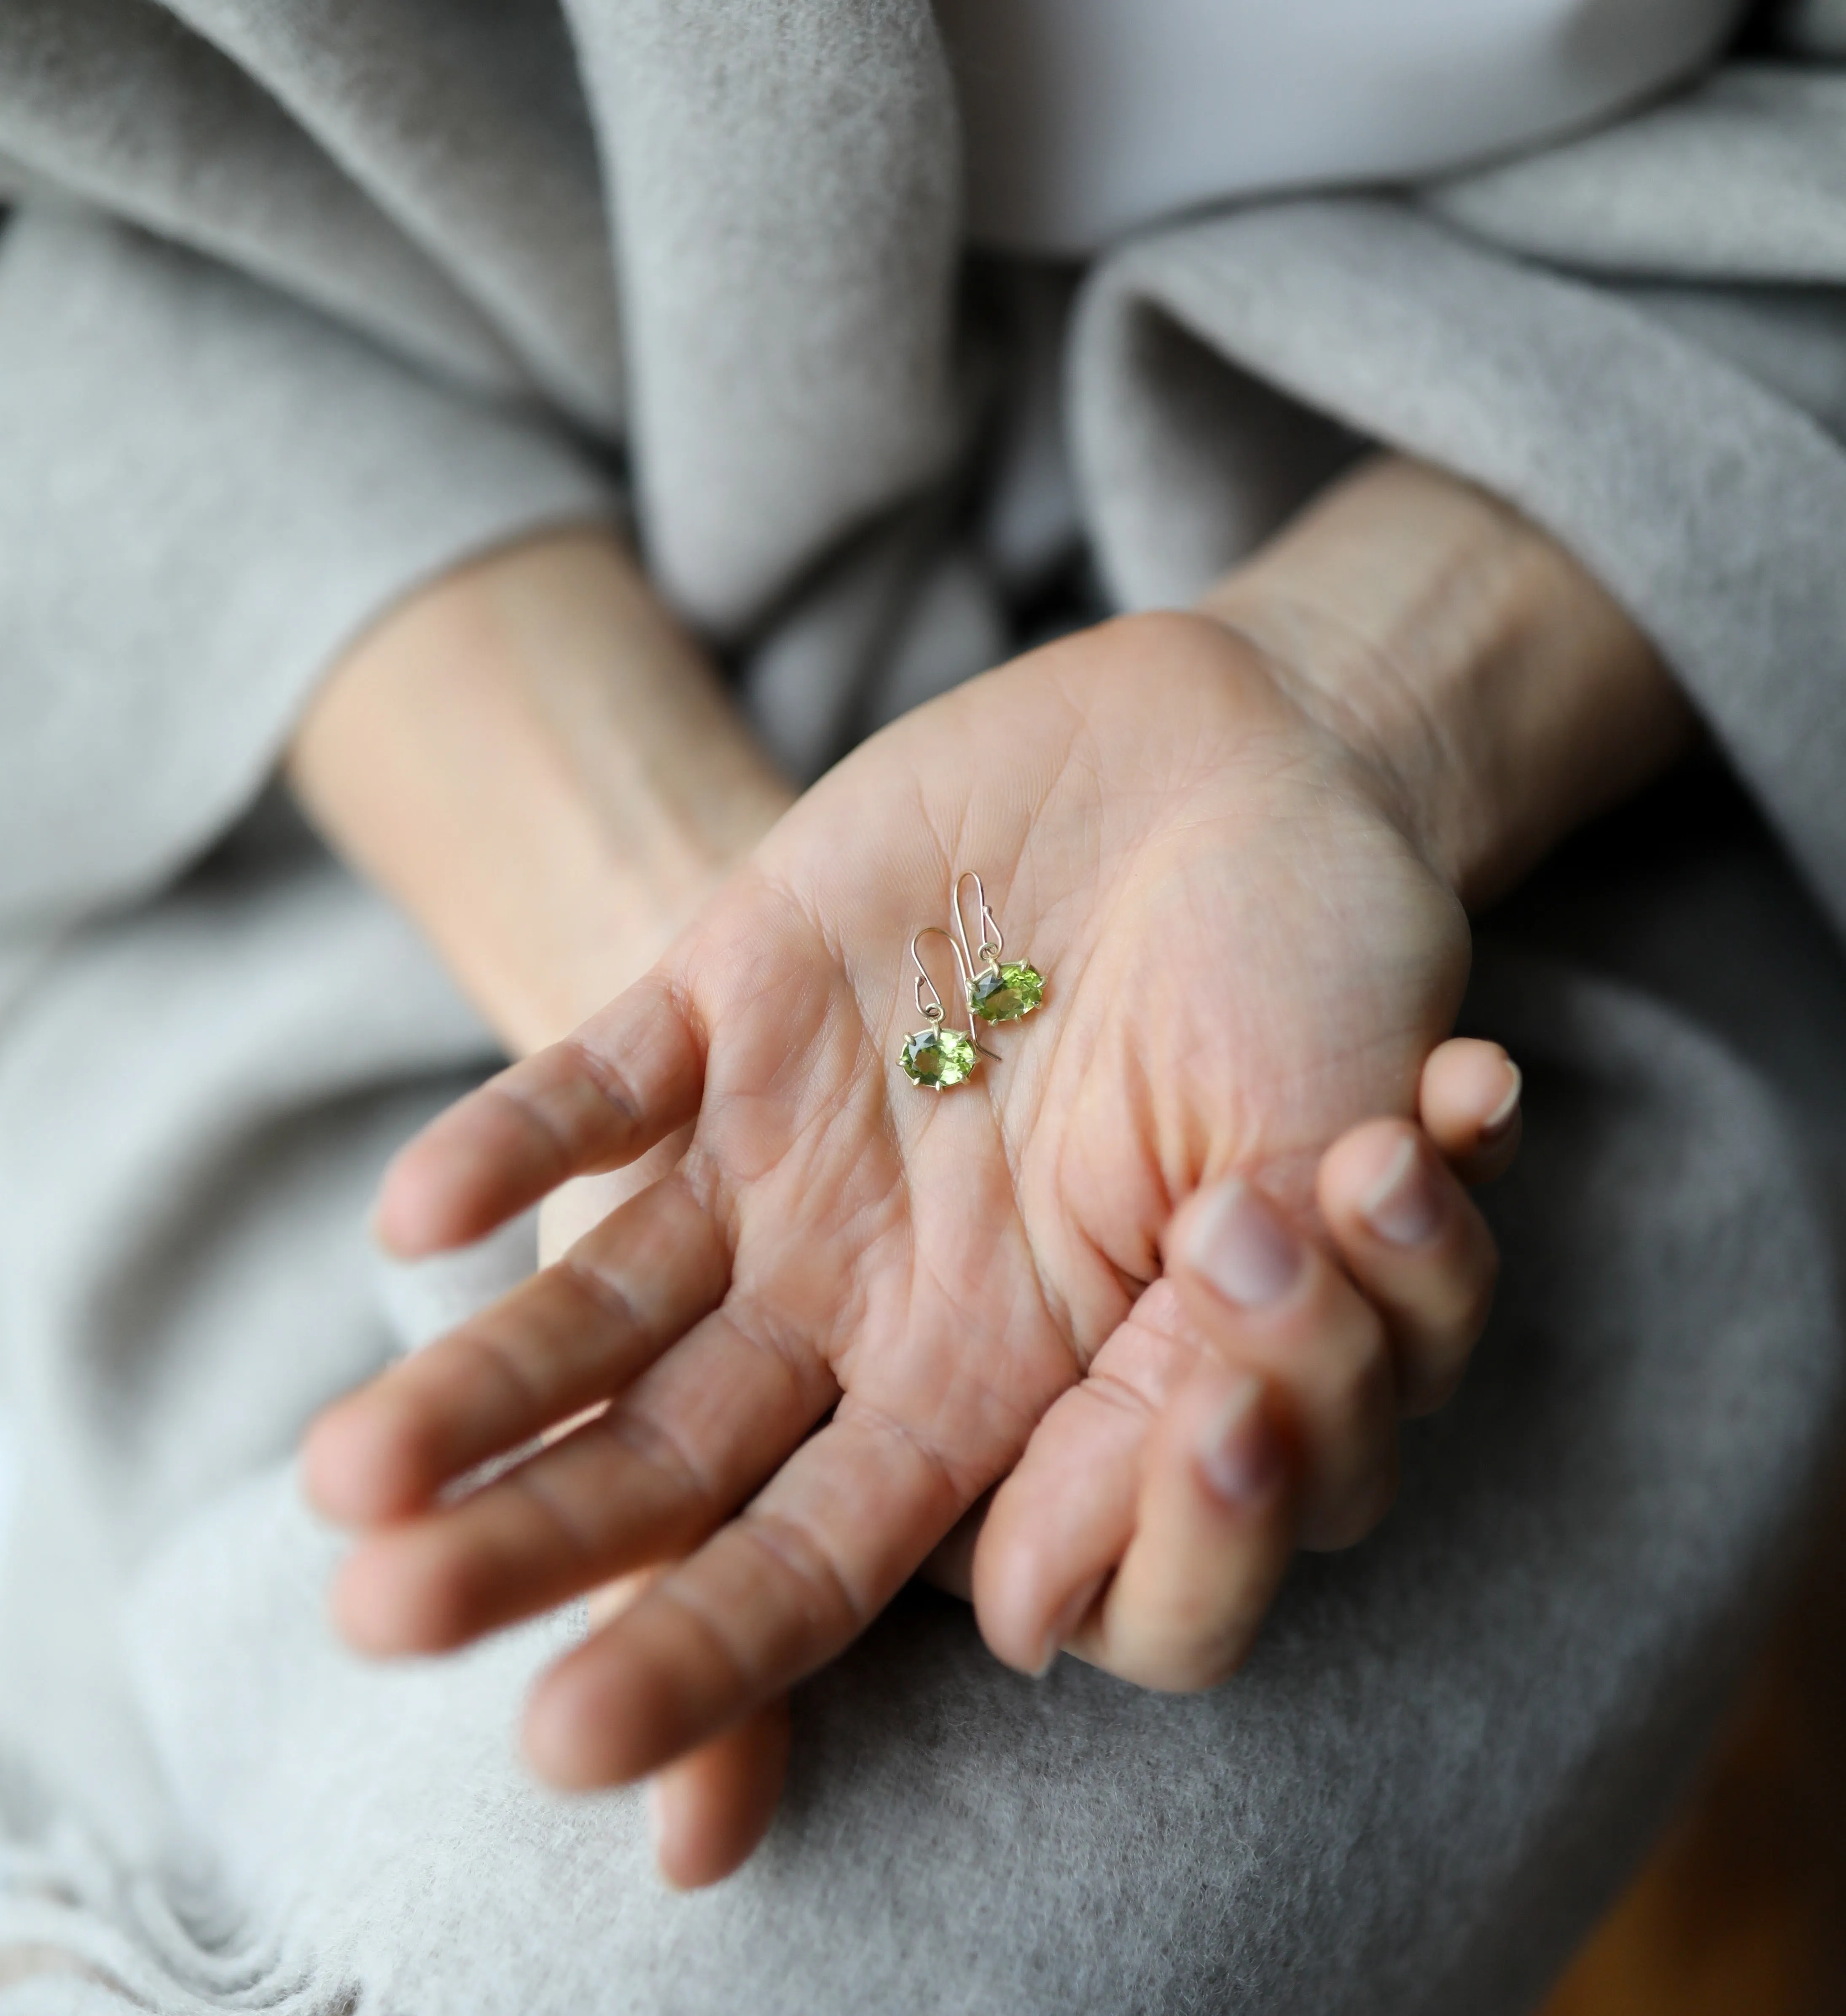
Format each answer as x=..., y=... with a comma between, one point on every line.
x=1743, y=178
x=112, y=104
x=302, y=367
x=1293, y=321
x=206, y=492
x=787, y=296
x=500, y=189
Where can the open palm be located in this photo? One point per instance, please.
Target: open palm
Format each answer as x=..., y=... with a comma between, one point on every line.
x=843, y=1306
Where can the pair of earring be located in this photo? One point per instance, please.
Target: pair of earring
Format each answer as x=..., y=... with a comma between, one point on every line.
x=939, y=1057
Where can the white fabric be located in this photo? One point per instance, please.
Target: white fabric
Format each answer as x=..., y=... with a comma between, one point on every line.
x=1088, y=118
x=242, y=412
x=7, y=1484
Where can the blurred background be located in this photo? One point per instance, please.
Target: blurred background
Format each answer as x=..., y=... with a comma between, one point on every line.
x=1741, y=1910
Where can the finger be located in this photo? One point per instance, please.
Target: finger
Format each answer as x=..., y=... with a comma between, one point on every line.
x=1469, y=1105
x=1413, y=1241
x=1268, y=1302
x=770, y=1598
x=646, y=1480
x=581, y=1205
x=1213, y=1532
x=711, y=1808
x=950, y=1565
x=1060, y=1523
x=604, y=1096
x=574, y=1334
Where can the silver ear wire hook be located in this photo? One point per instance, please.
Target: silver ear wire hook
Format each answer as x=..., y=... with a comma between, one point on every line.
x=938, y=1057
x=996, y=993
x=992, y=944
x=932, y=1009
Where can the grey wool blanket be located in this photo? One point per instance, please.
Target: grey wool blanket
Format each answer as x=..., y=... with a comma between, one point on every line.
x=304, y=301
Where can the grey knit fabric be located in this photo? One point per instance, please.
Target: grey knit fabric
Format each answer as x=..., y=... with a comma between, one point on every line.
x=305, y=301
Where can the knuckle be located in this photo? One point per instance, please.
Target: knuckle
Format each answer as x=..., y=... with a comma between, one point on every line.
x=525, y=1114
x=580, y=1060
x=1179, y=1661
x=1349, y=1427
x=1438, y=1336
x=1446, y=1330
x=1436, y=1355
x=501, y=1376
x=587, y=1277
x=1359, y=1382
x=829, y=1601
x=564, y=1522
x=756, y=1324
x=650, y=1440
x=1357, y=1503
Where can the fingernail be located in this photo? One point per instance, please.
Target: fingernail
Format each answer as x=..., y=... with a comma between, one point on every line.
x=1066, y=1621
x=1405, y=1205
x=1502, y=1117
x=1240, y=1245
x=1239, y=1457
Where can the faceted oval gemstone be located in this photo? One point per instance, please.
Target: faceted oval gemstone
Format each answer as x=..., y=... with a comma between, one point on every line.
x=1004, y=993
x=938, y=1058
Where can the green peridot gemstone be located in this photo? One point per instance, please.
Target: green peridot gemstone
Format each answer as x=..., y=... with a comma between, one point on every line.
x=938, y=1058
x=1003, y=994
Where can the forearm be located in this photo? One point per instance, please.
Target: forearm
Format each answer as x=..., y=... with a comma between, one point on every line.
x=535, y=760
x=1503, y=695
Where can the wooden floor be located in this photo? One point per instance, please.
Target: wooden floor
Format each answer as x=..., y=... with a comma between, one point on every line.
x=1742, y=1912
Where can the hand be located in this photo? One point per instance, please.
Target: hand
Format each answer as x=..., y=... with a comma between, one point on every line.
x=1481, y=678
x=1197, y=1556
x=1161, y=1567
x=1246, y=954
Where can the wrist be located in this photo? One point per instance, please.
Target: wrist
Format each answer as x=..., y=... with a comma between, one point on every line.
x=1492, y=692
x=534, y=761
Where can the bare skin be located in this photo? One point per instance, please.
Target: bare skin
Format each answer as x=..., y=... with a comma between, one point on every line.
x=1149, y=1275
x=712, y=1807
x=541, y=767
